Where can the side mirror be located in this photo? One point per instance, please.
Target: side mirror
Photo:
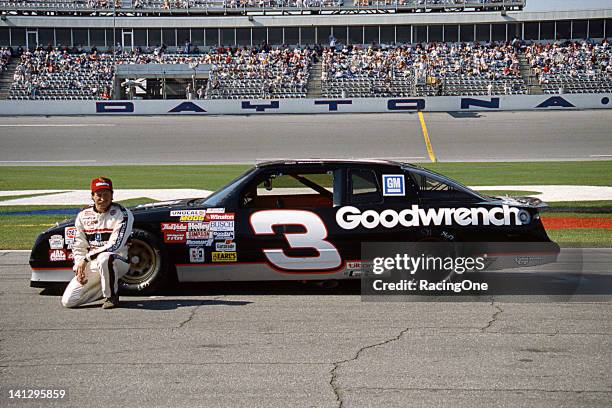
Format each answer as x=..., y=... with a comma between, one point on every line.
x=268, y=184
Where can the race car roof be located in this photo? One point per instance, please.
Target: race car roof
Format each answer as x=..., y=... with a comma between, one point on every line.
x=329, y=161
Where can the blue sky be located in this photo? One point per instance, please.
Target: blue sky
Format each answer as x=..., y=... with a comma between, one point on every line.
x=546, y=5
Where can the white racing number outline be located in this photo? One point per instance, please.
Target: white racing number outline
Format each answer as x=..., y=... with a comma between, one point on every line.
x=328, y=258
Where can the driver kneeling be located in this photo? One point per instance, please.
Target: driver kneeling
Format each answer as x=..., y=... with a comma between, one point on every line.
x=100, y=249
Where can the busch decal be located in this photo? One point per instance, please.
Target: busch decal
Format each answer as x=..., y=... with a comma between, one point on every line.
x=222, y=225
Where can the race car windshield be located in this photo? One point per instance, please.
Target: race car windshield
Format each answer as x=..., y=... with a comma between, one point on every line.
x=218, y=197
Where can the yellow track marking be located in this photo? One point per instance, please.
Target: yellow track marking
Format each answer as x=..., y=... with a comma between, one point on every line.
x=430, y=151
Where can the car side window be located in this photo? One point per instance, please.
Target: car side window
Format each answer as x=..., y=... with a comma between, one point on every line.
x=431, y=188
x=291, y=190
x=364, y=187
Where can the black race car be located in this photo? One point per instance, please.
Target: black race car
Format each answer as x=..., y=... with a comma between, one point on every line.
x=298, y=220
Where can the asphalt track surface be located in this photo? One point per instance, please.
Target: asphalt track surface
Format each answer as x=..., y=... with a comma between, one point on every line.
x=463, y=136
x=222, y=345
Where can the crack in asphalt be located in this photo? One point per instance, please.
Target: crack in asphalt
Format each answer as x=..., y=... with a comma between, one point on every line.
x=333, y=382
x=476, y=389
x=493, y=318
x=195, y=310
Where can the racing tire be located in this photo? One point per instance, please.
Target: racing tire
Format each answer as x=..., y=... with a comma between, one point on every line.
x=149, y=266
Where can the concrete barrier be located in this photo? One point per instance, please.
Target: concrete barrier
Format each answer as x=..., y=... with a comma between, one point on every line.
x=297, y=106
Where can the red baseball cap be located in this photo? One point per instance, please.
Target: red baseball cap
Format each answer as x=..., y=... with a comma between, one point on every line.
x=101, y=183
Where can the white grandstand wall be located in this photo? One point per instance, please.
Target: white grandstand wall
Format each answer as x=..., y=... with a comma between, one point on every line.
x=308, y=106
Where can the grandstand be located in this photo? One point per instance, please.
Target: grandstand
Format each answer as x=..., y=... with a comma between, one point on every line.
x=60, y=49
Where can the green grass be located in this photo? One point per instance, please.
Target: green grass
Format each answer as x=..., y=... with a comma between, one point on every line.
x=124, y=177
x=600, y=238
x=597, y=173
x=591, y=173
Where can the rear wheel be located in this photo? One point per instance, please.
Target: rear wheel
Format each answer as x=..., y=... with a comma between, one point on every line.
x=149, y=269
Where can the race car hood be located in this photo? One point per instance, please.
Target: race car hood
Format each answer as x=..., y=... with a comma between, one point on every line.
x=522, y=202
x=160, y=205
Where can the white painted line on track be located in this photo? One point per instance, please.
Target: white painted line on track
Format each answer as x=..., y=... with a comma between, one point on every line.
x=8, y=251
x=47, y=161
x=58, y=125
x=601, y=155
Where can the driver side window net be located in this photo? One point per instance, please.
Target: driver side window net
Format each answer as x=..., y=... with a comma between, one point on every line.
x=292, y=191
x=431, y=188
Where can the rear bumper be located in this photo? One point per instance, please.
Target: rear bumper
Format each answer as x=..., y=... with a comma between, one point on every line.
x=42, y=278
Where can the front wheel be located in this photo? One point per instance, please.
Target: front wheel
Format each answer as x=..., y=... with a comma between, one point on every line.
x=149, y=268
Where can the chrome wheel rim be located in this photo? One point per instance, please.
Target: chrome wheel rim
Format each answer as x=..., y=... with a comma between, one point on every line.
x=143, y=262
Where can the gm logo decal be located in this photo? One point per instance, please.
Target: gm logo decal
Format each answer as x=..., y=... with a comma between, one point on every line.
x=393, y=185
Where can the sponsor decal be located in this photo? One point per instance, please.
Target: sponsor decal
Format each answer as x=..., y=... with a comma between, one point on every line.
x=70, y=234
x=393, y=185
x=196, y=255
x=351, y=217
x=70, y=256
x=225, y=246
x=175, y=237
x=222, y=225
x=354, y=268
x=220, y=217
x=174, y=226
x=198, y=235
x=199, y=242
x=56, y=242
x=113, y=212
x=215, y=210
x=188, y=218
x=224, y=235
x=181, y=213
x=57, y=255
x=224, y=257
x=197, y=226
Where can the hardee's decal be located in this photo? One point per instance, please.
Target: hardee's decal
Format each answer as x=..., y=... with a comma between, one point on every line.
x=351, y=217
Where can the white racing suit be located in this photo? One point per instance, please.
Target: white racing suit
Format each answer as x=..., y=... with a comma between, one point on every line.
x=101, y=239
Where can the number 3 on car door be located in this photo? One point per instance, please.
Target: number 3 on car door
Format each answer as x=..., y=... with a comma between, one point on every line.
x=314, y=237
